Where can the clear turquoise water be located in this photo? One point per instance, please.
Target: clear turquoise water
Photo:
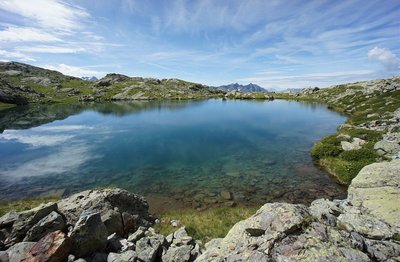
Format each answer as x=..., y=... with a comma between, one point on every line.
x=175, y=153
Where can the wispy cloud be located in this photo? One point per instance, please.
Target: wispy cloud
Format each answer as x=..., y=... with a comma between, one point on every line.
x=67, y=159
x=322, y=79
x=26, y=34
x=53, y=14
x=54, y=49
x=75, y=70
x=35, y=140
x=16, y=55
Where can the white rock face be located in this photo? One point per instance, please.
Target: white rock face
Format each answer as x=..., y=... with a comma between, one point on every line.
x=354, y=145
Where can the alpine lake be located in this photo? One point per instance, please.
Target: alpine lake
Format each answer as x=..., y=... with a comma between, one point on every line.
x=177, y=154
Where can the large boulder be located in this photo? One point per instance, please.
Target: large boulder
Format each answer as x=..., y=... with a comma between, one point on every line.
x=17, y=252
x=52, y=222
x=26, y=220
x=376, y=189
x=53, y=247
x=122, y=212
x=89, y=234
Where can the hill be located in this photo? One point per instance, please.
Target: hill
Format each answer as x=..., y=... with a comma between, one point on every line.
x=372, y=131
x=22, y=84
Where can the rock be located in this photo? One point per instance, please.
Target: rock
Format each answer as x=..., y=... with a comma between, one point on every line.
x=109, y=202
x=8, y=219
x=226, y=195
x=128, y=256
x=355, y=145
x=364, y=224
x=137, y=235
x=389, y=145
x=116, y=244
x=53, y=247
x=275, y=220
x=376, y=189
x=3, y=256
x=8, y=94
x=49, y=223
x=175, y=223
x=113, y=221
x=18, y=251
x=325, y=211
x=177, y=254
x=149, y=248
x=89, y=234
x=97, y=257
x=27, y=219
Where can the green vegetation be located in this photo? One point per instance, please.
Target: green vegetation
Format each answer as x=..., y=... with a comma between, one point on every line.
x=360, y=107
x=207, y=224
x=25, y=204
x=5, y=106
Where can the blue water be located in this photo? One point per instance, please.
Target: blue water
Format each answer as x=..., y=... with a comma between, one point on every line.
x=176, y=154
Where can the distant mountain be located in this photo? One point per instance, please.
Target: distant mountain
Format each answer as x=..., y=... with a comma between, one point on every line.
x=89, y=78
x=243, y=88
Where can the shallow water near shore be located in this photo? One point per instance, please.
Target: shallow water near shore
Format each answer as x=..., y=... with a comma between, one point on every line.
x=177, y=154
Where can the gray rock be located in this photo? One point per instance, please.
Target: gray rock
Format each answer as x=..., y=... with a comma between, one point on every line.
x=354, y=145
x=376, y=190
x=18, y=251
x=128, y=256
x=27, y=219
x=89, y=235
x=149, y=248
x=107, y=202
x=49, y=223
x=137, y=235
x=177, y=254
x=117, y=244
x=8, y=219
x=3, y=256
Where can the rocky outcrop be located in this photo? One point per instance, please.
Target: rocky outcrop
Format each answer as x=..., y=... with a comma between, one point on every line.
x=240, y=95
x=120, y=211
x=363, y=227
x=88, y=218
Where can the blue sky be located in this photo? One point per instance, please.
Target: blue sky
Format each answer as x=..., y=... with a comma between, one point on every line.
x=276, y=44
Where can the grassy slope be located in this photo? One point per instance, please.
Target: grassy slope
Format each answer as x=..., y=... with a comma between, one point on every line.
x=25, y=204
x=207, y=224
x=360, y=108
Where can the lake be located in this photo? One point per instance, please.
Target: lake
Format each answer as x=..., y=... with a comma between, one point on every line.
x=177, y=153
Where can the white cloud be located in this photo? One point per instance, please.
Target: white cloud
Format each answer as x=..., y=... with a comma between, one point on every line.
x=35, y=140
x=67, y=159
x=26, y=34
x=53, y=14
x=384, y=56
x=75, y=70
x=65, y=128
x=51, y=49
x=15, y=55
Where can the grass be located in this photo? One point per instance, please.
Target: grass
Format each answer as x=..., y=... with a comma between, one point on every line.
x=5, y=106
x=25, y=204
x=207, y=224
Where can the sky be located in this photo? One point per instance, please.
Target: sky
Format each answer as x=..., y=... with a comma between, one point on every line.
x=277, y=44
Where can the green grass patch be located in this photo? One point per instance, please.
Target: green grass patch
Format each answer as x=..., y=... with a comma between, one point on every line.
x=25, y=204
x=207, y=224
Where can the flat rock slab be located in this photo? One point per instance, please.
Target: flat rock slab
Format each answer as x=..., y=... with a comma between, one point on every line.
x=377, y=189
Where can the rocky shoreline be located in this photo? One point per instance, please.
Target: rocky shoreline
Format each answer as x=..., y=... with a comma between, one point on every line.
x=115, y=225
